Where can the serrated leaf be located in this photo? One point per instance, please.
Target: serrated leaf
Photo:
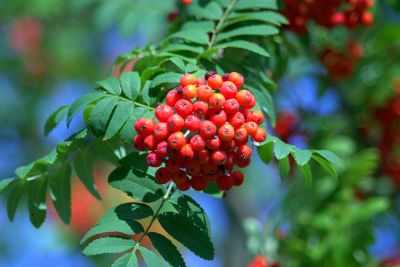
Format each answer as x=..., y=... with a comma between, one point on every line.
x=150, y=258
x=130, y=83
x=101, y=114
x=301, y=156
x=212, y=11
x=83, y=167
x=307, y=175
x=254, y=30
x=55, y=119
x=60, y=192
x=281, y=150
x=111, y=84
x=141, y=188
x=266, y=152
x=128, y=131
x=81, y=103
x=121, y=219
x=328, y=155
x=194, y=36
x=37, y=200
x=23, y=171
x=256, y=4
x=5, y=183
x=324, y=163
x=108, y=245
x=178, y=62
x=241, y=44
x=186, y=232
x=169, y=77
x=127, y=260
x=284, y=167
x=119, y=117
x=14, y=198
x=166, y=249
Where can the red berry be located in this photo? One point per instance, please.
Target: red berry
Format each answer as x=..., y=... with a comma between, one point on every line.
x=163, y=176
x=210, y=177
x=163, y=112
x=213, y=143
x=150, y=142
x=209, y=74
x=238, y=178
x=228, y=89
x=218, y=117
x=200, y=81
x=224, y=182
x=228, y=145
x=226, y=132
x=217, y=101
x=144, y=126
x=153, y=160
x=231, y=106
x=256, y=116
x=185, y=185
x=204, y=92
x=203, y=156
x=183, y=108
x=172, y=165
x=251, y=127
x=241, y=136
x=207, y=129
x=252, y=103
x=187, y=2
x=172, y=97
x=161, y=131
x=198, y=183
x=162, y=149
x=210, y=168
x=189, y=91
x=197, y=142
x=218, y=157
x=176, y=140
x=188, y=79
x=260, y=135
x=236, y=78
x=215, y=81
x=193, y=168
x=367, y=18
x=138, y=143
x=225, y=77
x=192, y=123
x=200, y=108
x=179, y=177
x=244, y=97
x=175, y=123
x=244, y=152
x=243, y=163
x=186, y=152
x=237, y=120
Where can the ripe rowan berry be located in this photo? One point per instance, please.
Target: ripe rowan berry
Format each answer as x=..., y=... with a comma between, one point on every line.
x=197, y=142
x=251, y=127
x=150, y=142
x=217, y=101
x=238, y=178
x=193, y=168
x=183, y=108
x=240, y=136
x=242, y=162
x=198, y=183
x=209, y=168
x=244, y=152
x=162, y=149
x=228, y=145
x=190, y=91
x=153, y=160
x=218, y=117
x=204, y=92
x=213, y=143
x=224, y=182
x=203, y=156
x=228, y=89
x=161, y=131
x=172, y=165
x=185, y=185
x=187, y=79
x=226, y=132
x=179, y=177
x=207, y=129
x=200, y=81
x=138, y=143
x=200, y=108
x=237, y=120
x=209, y=74
x=144, y=126
x=163, y=112
x=260, y=135
x=218, y=157
x=215, y=81
x=256, y=116
x=163, y=176
x=172, y=97
x=244, y=97
x=175, y=123
x=231, y=106
x=236, y=78
x=176, y=140
x=210, y=177
x=192, y=123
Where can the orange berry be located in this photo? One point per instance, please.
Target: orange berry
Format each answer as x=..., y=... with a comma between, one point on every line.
x=217, y=101
x=187, y=79
x=226, y=132
x=236, y=78
x=215, y=81
x=260, y=135
x=190, y=91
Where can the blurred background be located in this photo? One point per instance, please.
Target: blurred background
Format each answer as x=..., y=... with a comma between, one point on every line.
x=338, y=89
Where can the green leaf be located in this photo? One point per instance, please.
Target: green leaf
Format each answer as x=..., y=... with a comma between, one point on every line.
x=83, y=167
x=146, y=93
x=18, y=190
x=169, y=77
x=37, y=200
x=254, y=30
x=212, y=11
x=328, y=155
x=324, y=163
x=167, y=249
x=281, y=150
x=150, y=258
x=256, y=4
x=179, y=63
x=111, y=84
x=108, y=245
x=101, y=114
x=195, y=36
x=264, y=16
x=301, y=156
x=23, y=171
x=266, y=152
x=130, y=83
x=207, y=26
x=81, y=103
x=60, y=192
x=306, y=173
x=128, y=131
x=252, y=47
x=55, y=119
x=5, y=183
x=127, y=260
x=119, y=117
x=184, y=47
x=284, y=167
x=141, y=188
x=186, y=232
x=121, y=219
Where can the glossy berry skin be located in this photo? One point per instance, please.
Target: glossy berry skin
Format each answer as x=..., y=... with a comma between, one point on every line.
x=144, y=126
x=228, y=89
x=153, y=160
x=207, y=129
x=138, y=143
x=236, y=78
x=226, y=132
x=244, y=152
x=172, y=97
x=179, y=177
x=260, y=135
x=163, y=176
x=162, y=149
x=237, y=119
x=237, y=177
x=217, y=101
x=190, y=91
x=256, y=116
x=198, y=183
x=218, y=117
x=224, y=182
x=193, y=168
x=240, y=136
x=244, y=97
x=251, y=127
x=163, y=112
x=183, y=108
x=218, y=157
x=203, y=156
x=200, y=81
x=172, y=165
x=231, y=106
x=150, y=142
x=213, y=143
x=215, y=81
x=186, y=152
x=200, y=108
x=187, y=79
x=161, y=131
x=192, y=123
x=176, y=140
x=175, y=123
x=197, y=142
x=185, y=185
x=204, y=92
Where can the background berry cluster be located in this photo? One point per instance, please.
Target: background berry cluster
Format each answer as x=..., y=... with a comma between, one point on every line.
x=202, y=132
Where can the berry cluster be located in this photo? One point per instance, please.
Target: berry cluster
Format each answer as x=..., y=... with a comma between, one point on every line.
x=341, y=64
x=202, y=132
x=328, y=13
